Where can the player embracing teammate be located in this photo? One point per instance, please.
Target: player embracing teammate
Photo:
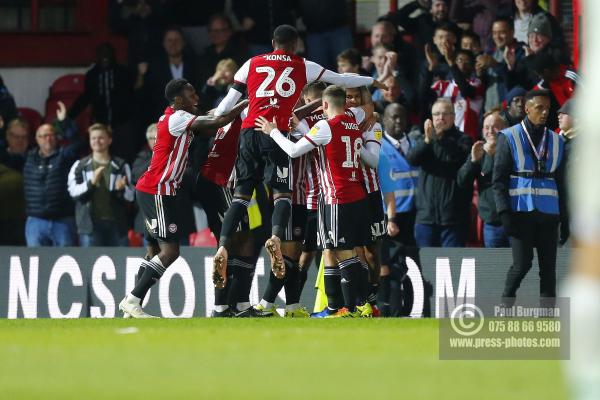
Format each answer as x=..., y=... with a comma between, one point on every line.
x=274, y=83
x=343, y=214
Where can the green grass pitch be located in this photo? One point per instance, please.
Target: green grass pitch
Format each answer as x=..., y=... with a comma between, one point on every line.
x=253, y=359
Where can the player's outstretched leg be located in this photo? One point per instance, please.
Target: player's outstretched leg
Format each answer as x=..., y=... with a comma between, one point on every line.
x=152, y=250
x=153, y=271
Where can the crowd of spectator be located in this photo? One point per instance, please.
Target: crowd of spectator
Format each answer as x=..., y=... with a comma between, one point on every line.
x=458, y=70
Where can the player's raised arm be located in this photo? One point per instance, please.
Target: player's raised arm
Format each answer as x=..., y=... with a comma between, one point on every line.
x=315, y=72
x=317, y=136
x=206, y=124
x=307, y=109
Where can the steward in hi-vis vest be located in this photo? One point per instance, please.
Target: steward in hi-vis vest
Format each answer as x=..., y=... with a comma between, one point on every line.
x=530, y=194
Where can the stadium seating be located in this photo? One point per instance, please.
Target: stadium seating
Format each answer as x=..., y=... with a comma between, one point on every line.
x=66, y=89
x=203, y=238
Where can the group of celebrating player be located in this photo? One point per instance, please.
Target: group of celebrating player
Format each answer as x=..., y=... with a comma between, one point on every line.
x=313, y=169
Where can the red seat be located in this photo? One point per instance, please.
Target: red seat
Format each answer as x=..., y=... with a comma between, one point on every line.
x=73, y=83
x=66, y=89
x=32, y=117
x=203, y=238
x=135, y=239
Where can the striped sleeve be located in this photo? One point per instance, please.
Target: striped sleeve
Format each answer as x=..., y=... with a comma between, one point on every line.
x=77, y=189
x=129, y=194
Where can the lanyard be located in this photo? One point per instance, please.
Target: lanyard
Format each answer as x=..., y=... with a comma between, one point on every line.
x=540, y=154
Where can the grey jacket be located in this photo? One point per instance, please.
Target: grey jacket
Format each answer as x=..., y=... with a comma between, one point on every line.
x=81, y=189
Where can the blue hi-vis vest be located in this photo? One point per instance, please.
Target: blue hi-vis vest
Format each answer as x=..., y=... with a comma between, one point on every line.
x=398, y=176
x=529, y=191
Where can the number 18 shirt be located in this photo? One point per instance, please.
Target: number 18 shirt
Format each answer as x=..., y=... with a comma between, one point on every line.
x=339, y=141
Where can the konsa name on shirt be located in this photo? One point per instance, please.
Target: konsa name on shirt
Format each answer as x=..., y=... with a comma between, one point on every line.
x=277, y=57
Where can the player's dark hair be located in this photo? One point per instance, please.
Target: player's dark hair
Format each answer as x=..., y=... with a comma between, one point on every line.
x=285, y=36
x=537, y=93
x=335, y=95
x=315, y=89
x=351, y=55
x=175, y=88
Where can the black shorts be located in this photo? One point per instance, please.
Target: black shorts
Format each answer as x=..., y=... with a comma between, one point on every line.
x=261, y=159
x=310, y=232
x=215, y=201
x=376, y=215
x=344, y=226
x=160, y=217
x=296, y=228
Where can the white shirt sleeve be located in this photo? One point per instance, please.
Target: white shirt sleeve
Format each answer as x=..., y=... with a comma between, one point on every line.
x=302, y=127
x=318, y=135
x=241, y=76
x=313, y=71
x=359, y=114
x=346, y=80
x=180, y=121
x=228, y=102
x=371, y=149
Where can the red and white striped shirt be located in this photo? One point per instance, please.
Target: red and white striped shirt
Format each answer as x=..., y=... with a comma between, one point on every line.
x=339, y=141
x=372, y=140
x=312, y=189
x=170, y=153
x=220, y=162
x=298, y=176
x=466, y=109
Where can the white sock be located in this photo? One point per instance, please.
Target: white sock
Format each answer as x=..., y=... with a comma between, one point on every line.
x=266, y=304
x=132, y=299
x=221, y=308
x=243, y=306
x=583, y=369
x=292, y=307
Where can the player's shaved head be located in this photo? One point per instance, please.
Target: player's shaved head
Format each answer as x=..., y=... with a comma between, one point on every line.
x=335, y=96
x=285, y=37
x=175, y=88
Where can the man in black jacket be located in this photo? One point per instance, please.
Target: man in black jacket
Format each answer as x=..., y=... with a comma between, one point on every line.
x=530, y=195
x=479, y=166
x=171, y=63
x=109, y=90
x=442, y=207
x=48, y=205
